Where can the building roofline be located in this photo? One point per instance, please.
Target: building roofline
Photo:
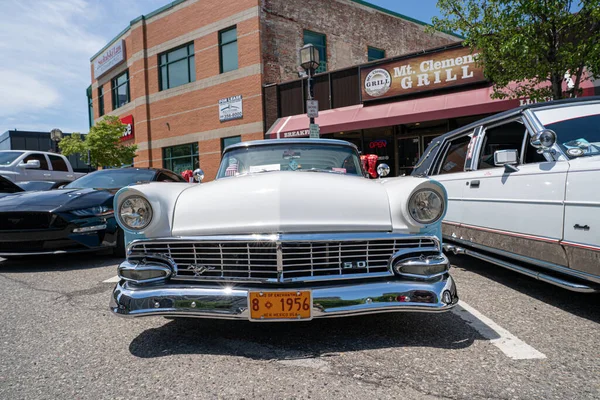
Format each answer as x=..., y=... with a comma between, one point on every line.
x=136, y=20
x=398, y=15
x=174, y=3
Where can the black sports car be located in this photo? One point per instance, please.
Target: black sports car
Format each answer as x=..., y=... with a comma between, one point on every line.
x=30, y=186
x=78, y=217
x=8, y=187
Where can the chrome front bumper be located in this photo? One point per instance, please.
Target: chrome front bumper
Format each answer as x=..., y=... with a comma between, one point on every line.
x=231, y=302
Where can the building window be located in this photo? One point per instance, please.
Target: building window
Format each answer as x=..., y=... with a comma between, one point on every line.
x=177, y=67
x=373, y=53
x=320, y=42
x=100, y=100
x=228, y=141
x=120, y=90
x=181, y=158
x=90, y=106
x=228, y=50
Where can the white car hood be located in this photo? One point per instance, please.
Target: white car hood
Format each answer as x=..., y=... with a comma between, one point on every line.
x=283, y=202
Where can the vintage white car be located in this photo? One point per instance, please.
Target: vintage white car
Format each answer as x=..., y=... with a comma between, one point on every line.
x=523, y=190
x=290, y=230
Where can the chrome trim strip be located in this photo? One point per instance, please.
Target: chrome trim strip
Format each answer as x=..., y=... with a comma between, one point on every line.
x=292, y=237
x=328, y=301
x=528, y=260
x=576, y=287
x=501, y=232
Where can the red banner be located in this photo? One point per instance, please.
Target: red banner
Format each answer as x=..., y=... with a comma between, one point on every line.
x=129, y=132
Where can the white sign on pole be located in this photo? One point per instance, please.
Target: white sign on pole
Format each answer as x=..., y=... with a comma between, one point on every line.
x=312, y=108
x=314, y=131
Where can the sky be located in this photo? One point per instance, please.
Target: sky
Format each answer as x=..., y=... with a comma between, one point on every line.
x=45, y=50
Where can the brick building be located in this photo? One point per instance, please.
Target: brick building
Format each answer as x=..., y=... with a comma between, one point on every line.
x=188, y=78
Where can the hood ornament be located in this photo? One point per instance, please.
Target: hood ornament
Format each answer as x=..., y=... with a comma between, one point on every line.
x=199, y=269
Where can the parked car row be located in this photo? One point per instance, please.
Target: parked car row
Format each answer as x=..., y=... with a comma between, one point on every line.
x=283, y=233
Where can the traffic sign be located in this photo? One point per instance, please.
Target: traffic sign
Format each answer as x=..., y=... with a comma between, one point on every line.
x=314, y=131
x=312, y=108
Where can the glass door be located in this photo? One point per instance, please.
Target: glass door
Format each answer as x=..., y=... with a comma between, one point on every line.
x=409, y=151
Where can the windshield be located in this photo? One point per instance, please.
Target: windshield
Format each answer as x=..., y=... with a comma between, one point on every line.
x=290, y=157
x=7, y=157
x=577, y=129
x=112, y=178
x=36, y=185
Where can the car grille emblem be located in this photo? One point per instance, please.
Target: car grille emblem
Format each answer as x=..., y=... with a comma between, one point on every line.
x=200, y=269
x=355, y=264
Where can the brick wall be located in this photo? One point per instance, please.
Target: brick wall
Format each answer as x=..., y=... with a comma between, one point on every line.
x=189, y=113
x=349, y=27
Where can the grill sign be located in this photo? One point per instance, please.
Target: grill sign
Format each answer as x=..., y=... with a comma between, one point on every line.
x=113, y=56
x=438, y=70
x=377, y=82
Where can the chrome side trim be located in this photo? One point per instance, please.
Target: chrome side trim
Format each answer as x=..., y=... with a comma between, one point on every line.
x=533, y=261
x=584, y=260
x=547, y=250
x=573, y=286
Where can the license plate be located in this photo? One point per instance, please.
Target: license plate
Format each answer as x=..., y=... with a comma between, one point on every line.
x=280, y=305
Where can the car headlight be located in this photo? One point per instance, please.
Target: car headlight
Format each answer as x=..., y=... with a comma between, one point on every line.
x=98, y=211
x=135, y=213
x=426, y=206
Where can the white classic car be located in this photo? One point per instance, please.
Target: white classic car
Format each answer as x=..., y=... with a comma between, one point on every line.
x=290, y=230
x=523, y=190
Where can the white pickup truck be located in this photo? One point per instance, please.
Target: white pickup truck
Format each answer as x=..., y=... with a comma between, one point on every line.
x=31, y=165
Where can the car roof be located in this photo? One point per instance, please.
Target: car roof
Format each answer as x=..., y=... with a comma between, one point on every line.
x=265, y=142
x=518, y=110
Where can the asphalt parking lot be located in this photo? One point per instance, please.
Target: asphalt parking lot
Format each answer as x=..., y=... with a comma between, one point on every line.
x=513, y=337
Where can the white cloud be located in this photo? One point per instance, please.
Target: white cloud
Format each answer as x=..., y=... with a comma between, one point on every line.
x=22, y=92
x=45, y=50
x=45, y=47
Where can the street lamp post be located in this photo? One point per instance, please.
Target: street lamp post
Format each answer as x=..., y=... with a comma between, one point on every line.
x=56, y=136
x=309, y=61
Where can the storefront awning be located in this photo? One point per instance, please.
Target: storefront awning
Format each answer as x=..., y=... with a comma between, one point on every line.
x=451, y=105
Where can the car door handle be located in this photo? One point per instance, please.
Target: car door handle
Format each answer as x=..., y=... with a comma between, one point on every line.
x=47, y=174
x=474, y=184
x=584, y=227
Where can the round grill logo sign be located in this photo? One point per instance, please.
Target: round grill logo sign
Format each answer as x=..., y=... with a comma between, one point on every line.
x=378, y=82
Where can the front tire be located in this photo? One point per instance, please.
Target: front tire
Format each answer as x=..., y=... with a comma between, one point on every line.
x=119, y=249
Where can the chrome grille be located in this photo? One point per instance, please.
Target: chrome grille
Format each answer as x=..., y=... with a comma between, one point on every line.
x=278, y=261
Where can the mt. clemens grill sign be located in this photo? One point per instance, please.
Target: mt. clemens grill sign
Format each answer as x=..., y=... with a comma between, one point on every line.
x=436, y=70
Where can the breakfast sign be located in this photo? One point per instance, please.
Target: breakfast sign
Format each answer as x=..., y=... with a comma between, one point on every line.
x=436, y=70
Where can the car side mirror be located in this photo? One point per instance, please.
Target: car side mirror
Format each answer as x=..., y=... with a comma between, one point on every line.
x=31, y=164
x=507, y=158
x=198, y=175
x=543, y=140
x=383, y=170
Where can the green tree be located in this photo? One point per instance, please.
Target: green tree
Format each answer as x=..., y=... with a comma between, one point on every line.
x=103, y=144
x=529, y=47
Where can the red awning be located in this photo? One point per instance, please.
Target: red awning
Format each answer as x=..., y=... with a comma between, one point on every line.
x=452, y=105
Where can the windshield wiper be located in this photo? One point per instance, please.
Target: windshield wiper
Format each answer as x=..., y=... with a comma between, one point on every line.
x=318, y=170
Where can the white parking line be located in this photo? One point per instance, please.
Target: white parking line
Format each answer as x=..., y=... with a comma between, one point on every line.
x=114, y=279
x=508, y=343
